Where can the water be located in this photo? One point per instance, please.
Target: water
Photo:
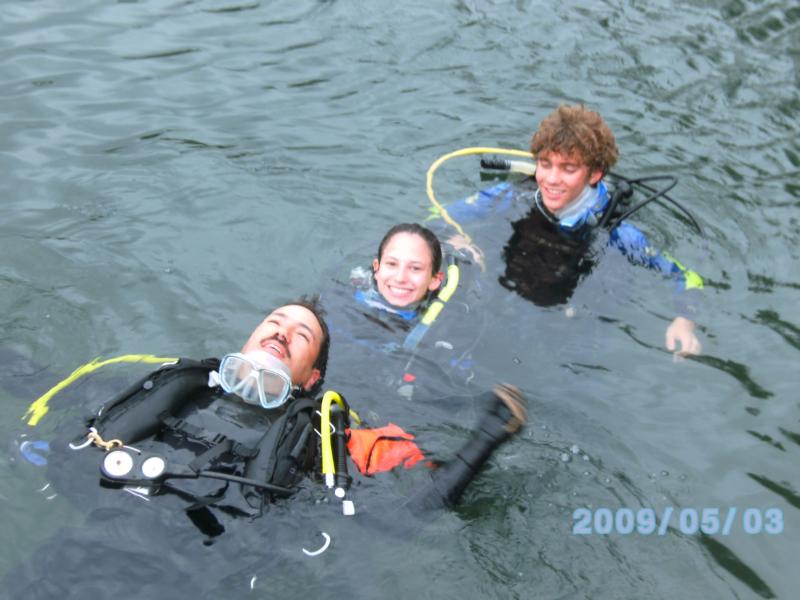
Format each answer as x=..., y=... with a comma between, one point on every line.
x=172, y=169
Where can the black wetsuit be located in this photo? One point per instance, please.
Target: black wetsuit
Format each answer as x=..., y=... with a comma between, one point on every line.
x=134, y=544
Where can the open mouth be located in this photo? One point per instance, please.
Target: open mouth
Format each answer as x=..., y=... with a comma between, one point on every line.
x=400, y=292
x=276, y=349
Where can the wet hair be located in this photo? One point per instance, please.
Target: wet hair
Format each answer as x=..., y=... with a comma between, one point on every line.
x=577, y=131
x=313, y=304
x=426, y=234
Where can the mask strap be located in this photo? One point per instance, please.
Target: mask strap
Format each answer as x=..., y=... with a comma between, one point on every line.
x=214, y=379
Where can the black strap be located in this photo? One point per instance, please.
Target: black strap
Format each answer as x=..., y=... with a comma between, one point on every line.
x=192, y=432
x=210, y=455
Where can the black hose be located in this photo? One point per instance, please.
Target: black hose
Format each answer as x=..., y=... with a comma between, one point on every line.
x=622, y=192
x=495, y=163
x=656, y=193
x=277, y=489
x=341, y=478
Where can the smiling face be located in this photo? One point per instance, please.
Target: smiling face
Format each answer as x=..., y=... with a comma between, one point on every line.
x=562, y=178
x=294, y=336
x=404, y=271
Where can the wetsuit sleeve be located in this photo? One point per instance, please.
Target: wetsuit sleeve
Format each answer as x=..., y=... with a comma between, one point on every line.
x=490, y=201
x=449, y=480
x=633, y=244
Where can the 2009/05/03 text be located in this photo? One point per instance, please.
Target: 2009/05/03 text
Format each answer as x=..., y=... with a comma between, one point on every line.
x=708, y=520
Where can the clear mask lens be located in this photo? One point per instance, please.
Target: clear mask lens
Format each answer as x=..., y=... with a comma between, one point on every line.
x=257, y=378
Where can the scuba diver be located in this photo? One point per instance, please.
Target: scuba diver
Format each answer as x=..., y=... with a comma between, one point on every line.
x=225, y=441
x=388, y=312
x=564, y=204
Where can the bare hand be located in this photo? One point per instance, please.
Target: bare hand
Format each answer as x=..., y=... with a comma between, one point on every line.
x=512, y=397
x=459, y=242
x=681, y=333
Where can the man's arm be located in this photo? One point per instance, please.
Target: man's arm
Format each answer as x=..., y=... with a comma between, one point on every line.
x=388, y=447
x=680, y=336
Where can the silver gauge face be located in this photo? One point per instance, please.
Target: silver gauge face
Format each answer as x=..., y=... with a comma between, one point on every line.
x=117, y=463
x=153, y=467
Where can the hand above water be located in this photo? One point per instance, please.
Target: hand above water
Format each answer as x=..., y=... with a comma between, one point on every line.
x=681, y=332
x=460, y=242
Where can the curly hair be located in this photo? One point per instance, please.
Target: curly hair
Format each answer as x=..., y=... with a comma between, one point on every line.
x=577, y=131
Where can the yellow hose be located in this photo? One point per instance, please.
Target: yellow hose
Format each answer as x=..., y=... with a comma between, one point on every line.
x=328, y=466
x=463, y=152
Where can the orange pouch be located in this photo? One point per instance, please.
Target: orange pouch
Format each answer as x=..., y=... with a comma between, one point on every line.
x=382, y=449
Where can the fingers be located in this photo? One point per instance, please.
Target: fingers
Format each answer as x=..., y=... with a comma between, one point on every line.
x=516, y=403
x=681, y=340
x=690, y=346
x=669, y=341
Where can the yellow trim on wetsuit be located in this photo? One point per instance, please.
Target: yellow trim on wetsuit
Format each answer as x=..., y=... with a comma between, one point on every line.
x=39, y=408
x=692, y=279
x=444, y=295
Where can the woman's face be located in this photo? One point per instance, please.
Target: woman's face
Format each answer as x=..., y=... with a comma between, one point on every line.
x=404, y=273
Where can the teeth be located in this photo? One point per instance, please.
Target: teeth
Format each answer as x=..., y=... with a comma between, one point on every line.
x=276, y=348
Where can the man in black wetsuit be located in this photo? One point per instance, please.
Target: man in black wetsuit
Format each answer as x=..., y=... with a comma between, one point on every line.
x=198, y=437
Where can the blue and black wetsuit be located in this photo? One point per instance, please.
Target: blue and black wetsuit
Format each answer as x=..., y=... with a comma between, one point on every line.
x=403, y=350
x=544, y=258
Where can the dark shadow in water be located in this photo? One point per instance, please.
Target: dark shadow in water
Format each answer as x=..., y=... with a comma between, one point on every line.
x=232, y=9
x=782, y=490
x=795, y=437
x=771, y=319
x=726, y=559
x=762, y=283
x=765, y=438
x=738, y=371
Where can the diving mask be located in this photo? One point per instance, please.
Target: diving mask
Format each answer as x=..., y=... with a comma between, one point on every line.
x=256, y=377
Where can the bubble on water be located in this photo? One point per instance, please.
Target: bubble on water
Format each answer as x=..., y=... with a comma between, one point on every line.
x=517, y=361
x=665, y=473
x=585, y=457
x=569, y=312
x=565, y=457
x=574, y=448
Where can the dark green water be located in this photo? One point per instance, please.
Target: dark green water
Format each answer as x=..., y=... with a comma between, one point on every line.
x=172, y=169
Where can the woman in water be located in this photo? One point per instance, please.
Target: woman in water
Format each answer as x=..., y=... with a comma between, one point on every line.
x=404, y=325
x=406, y=271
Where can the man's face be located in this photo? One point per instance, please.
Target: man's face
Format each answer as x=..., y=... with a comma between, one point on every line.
x=562, y=178
x=292, y=334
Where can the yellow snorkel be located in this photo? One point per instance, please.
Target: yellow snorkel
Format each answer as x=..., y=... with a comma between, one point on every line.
x=329, y=464
x=39, y=408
